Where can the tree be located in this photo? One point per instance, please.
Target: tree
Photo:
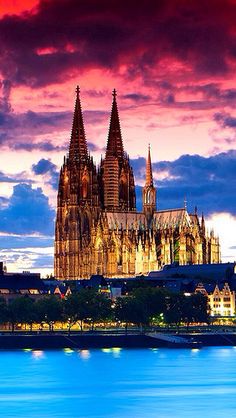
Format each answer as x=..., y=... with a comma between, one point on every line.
x=151, y=301
x=20, y=310
x=187, y=309
x=49, y=310
x=173, y=311
x=72, y=310
x=128, y=309
x=3, y=311
x=99, y=308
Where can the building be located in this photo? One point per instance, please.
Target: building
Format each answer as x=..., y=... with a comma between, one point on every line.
x=98, y=229
x=222, y=301
x=204, y=272
x=14, y=285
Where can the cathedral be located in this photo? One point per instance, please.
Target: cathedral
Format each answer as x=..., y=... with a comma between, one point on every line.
x=98, y=229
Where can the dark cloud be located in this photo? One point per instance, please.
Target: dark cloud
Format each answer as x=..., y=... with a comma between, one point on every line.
x=65, y=36
x=5, y=89
x=15, y=178
x=206, y=182
x=225, y=120
x=95, y=116
x=39, y=123
x=28, y=212
x=136, y=97
x=26, y=145
x=20, y=131
x=43, y=167
x=95, y=148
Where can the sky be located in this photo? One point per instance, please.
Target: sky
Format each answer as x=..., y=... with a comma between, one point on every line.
x=173, y=64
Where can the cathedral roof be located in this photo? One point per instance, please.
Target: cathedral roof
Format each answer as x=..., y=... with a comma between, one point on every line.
x=78, y=145
x=122, y=219
x=171, y=217
x=114, y=142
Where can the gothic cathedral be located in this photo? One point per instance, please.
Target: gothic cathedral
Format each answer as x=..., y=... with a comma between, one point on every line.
x=98, y=229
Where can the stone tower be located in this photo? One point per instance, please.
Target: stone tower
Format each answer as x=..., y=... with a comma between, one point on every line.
x=149, y=191
x=116, y=172
x=77, y=201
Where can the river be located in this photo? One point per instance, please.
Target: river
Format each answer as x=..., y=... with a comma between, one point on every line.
x=116, y=383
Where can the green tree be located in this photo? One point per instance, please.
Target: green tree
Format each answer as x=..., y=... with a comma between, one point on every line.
x=99, y=308
x=72, y=310
x=4, y=317
x=20, y=310
x=151, y=301
x=128, y=309
x=173, y=310
x=49, y=310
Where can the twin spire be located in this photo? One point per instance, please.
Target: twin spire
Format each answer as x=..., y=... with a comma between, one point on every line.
x=78, y=149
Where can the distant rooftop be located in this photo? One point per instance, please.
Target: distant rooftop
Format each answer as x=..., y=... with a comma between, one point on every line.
x=208, y=271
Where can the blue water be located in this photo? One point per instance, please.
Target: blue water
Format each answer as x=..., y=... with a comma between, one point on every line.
x=119, y=383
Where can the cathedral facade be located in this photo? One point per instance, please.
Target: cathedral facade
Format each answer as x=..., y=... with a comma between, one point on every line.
x=98, y=229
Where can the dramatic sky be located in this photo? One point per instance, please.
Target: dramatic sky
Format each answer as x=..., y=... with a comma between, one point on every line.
x=173, y=63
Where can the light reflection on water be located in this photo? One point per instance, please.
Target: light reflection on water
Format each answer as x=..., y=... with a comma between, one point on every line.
x=114, y=383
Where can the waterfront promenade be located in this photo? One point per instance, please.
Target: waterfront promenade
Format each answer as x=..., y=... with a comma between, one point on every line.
x=87, y=340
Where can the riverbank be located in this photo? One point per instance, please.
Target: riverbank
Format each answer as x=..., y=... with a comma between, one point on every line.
x=88, y=341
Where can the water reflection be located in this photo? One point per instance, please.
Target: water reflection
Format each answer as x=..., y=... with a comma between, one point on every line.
x=84, y=354
x=106, y=350
x=116, y=351
x=118, y=383
x=37, y=354
x=68, y=351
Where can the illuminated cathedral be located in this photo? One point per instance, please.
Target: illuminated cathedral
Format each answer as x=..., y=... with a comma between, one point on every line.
x=98, y=229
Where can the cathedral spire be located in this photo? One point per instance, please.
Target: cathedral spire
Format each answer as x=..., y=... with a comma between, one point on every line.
x=149, y=178
x=114, y=142
x=149, y=191
x=78, y=145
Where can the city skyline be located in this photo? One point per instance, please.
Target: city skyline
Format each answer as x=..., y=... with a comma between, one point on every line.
x=173, y=69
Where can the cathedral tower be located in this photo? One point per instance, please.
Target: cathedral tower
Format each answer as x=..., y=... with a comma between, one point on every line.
x=117, y=174
x=77, y=201
x=149, y=191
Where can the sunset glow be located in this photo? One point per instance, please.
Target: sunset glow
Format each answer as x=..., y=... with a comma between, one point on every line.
x=173, y=65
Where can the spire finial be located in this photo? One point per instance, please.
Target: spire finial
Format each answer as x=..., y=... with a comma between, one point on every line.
x=149, y=178
x=114, y=94
x=185, y=202
x=77, y=90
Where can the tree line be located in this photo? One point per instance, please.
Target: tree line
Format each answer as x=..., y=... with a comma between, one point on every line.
x=143, y=307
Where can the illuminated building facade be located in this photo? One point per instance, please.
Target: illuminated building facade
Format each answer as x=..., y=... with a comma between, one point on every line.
x=98, y=229
x=222, y=301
